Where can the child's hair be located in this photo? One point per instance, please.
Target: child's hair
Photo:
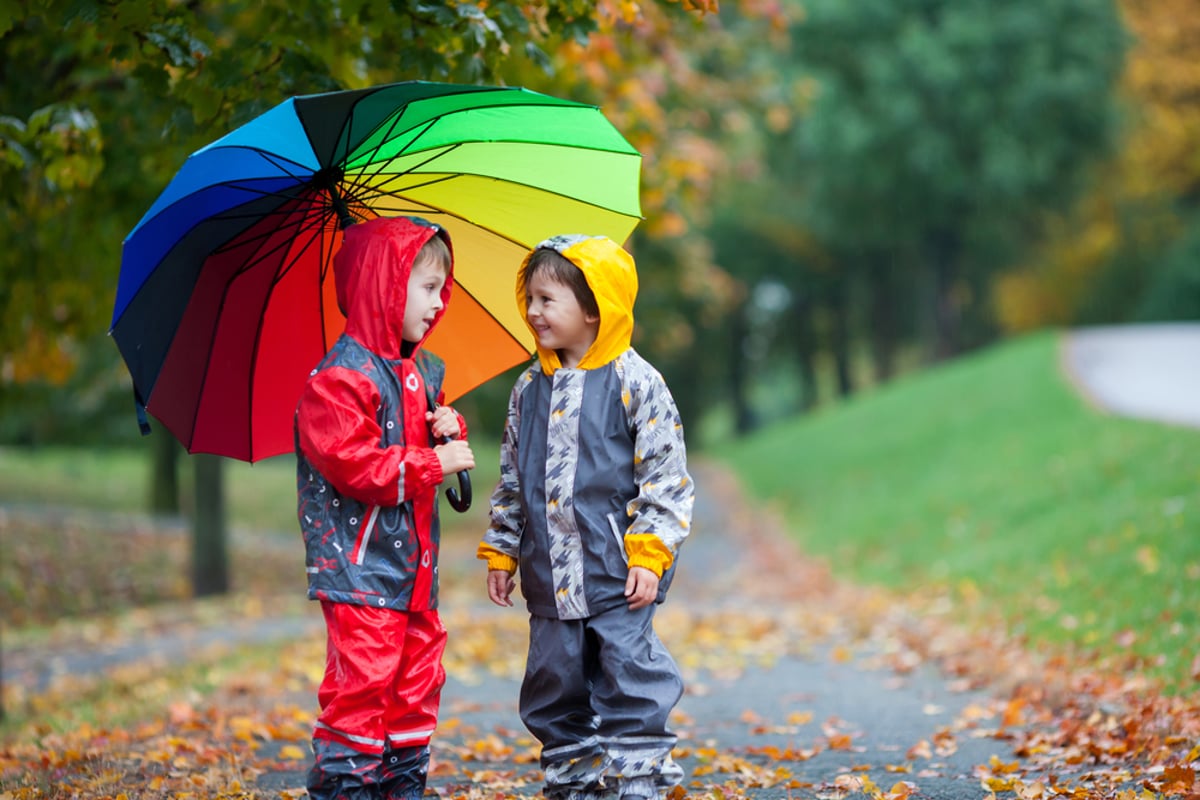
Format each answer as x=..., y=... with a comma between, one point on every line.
x=560, y=269
x=435, y=252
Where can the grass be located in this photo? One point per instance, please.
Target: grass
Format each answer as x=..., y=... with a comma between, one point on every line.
x=989, y=478
x=90, y=503
x=260, y=497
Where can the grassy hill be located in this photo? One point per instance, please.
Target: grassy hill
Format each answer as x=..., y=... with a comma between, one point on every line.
x=989, y=478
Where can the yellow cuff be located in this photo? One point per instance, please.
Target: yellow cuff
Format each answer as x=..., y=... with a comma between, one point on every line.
x=647, y=550
x=496, y=559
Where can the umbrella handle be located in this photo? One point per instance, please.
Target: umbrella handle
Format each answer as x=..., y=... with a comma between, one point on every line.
x=459, y=503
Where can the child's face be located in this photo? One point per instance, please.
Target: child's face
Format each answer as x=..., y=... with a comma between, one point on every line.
x=558, y=321
x=424, y=299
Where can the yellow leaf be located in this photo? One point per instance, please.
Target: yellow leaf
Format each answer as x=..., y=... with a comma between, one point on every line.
x=1147, y=559
x=292, y=753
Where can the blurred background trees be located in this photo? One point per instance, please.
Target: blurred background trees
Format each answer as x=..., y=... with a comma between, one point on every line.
x=834, y=192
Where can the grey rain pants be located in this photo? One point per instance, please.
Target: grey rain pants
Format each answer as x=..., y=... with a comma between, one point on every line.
x=597, y=694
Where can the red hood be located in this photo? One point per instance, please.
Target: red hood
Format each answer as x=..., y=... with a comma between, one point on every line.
x=370, y=273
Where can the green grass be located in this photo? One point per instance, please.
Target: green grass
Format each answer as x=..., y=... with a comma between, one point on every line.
x=83, y=563
x=990, y=478
x=259, y=497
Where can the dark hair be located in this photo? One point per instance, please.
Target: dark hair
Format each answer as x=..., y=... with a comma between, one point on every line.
x=560, y=269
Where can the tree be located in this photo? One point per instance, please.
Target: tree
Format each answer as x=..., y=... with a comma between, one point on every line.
x=121, y=92
x=694, y=105
x=942, y=132
x=1105, y=252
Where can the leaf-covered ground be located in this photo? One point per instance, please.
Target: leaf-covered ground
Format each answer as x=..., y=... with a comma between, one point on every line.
x=798, y=686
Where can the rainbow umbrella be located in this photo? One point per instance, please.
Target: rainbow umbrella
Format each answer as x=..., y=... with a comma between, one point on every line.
x=226, y=301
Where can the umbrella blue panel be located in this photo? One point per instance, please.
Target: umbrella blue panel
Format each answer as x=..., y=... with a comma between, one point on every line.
x=213, y=167
x=145, y=248
x=278, y=131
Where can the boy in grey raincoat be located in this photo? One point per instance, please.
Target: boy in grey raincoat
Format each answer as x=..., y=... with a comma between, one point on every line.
x=593, y=502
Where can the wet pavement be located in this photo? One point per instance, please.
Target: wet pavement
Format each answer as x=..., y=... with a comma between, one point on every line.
x=792, y=686
x=796, y=686
x=1148, y=372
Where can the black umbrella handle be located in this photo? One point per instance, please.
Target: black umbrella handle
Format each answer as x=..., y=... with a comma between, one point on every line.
x=459, y=503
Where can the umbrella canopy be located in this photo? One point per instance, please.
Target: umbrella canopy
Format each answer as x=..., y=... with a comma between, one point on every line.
x=226, y=300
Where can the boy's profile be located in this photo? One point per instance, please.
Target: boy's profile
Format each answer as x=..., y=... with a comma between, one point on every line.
x=593, y=502
x=367, y=476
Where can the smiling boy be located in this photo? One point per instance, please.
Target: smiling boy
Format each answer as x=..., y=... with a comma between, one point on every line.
x=593, y=502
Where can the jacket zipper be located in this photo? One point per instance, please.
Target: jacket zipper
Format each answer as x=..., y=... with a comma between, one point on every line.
x=612, y=521
x=364, y=536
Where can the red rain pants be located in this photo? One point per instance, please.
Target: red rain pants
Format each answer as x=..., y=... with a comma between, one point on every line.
x=383, y=677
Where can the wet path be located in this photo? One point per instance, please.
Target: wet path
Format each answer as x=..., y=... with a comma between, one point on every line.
x=792, y=683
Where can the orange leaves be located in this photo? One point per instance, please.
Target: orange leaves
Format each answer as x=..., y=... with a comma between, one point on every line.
x=745, y=771
x=1176, y=780
x=845, y=785
x=1013, y=713
x=920, y=750
x=841, y=741
x=703, y=6
x=1059, y=732
x=291, y=752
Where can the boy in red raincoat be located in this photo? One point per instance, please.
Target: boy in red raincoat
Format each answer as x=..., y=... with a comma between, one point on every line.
x=368, y=476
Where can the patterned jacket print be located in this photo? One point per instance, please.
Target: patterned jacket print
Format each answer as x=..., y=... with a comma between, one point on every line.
x=367, y=475
x=593, y=465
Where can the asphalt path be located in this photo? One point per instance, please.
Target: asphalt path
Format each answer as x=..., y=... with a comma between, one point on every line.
x=840, y=706
x=817, y=697
x=1148, y=372
x=823, y=691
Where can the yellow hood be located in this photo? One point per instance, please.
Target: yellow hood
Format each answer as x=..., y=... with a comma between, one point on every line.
x=612, y=276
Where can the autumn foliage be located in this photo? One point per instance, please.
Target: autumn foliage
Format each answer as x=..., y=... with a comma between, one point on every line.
x=228, y=724
x=1135, y=201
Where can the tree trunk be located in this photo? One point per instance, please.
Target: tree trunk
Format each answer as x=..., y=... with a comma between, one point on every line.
x=839, y=337
x=806, y=349
x=943, y=251
x=743, y=416
x=210, y=566
x=882, y=291
x=164, y=475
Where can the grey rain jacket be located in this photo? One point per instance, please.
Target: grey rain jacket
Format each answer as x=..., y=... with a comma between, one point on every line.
x=593, y=466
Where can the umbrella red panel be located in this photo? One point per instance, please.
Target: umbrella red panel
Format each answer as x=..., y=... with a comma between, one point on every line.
x=240, y=320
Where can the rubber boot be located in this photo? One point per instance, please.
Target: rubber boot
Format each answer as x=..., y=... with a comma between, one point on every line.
x=403, y=773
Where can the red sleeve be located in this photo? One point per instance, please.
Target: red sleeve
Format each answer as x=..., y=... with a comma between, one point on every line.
x=339, y=434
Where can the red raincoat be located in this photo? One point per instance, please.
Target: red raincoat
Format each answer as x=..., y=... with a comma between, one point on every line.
x=367, y=484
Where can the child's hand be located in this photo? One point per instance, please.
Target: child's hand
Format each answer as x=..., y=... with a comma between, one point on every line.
x=443, y=423
x=641, y=587
x=455, y=456
x=500, y=586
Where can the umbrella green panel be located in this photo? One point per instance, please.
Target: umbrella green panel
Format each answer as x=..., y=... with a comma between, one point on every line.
x=410, y=130
x=606, y=180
